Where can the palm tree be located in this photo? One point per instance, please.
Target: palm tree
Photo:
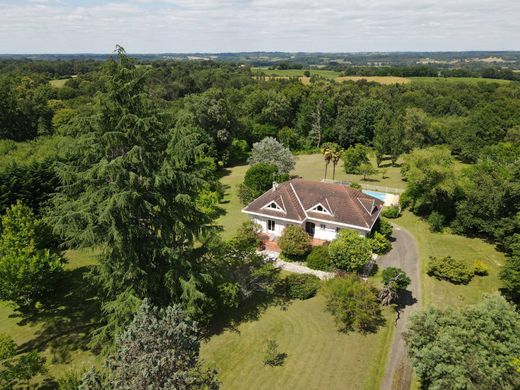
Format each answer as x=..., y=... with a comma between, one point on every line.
x=337, y=152
x=331, y=152
x=327, y=156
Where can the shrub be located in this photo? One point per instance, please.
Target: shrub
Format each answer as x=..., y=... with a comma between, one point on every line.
x=71, y=380
x=260, y=176
x=272, y=356
x=16, y=370
x=510, y=273
x=404, y=200
x=319, y=259
x=391, y=212
x=349, y=251
x=247, y=234
x=380, y=244
x=294, y=242
x=397, y=275
x=436, y=221
x=356, y=186
x=353, y=303
x=246, y=194
x=450, y=269
x=384, y=227
x=258, y=179
x=480, y=268
x=302, y=286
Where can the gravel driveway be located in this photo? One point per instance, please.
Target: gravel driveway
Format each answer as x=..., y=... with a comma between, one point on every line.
x=404, y=254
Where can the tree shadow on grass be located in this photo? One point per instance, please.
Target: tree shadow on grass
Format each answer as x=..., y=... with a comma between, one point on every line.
x=65, y=318
x=250, y=310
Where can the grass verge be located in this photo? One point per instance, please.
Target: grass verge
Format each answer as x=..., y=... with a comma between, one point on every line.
x=442, y=293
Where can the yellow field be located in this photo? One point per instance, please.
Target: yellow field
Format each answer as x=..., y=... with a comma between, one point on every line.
x=386, y=80
x=376, y=79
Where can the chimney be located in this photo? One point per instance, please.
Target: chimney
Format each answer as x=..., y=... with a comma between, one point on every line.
x=275, y=186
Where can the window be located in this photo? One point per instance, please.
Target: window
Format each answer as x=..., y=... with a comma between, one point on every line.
x=273, y=206
x=323, y=227
x=271, y=225
x=320, y=209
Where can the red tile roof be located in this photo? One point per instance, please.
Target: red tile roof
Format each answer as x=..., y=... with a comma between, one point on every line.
x=298, y=196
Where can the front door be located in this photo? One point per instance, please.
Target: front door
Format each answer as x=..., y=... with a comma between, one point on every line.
x=310, y=228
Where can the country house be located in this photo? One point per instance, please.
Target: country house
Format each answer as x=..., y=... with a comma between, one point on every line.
x=322, y=209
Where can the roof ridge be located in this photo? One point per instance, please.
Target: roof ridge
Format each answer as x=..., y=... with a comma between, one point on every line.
x=299, y=201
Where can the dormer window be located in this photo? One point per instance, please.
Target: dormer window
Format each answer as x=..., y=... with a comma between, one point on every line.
x=319, y=208
x=273, y=206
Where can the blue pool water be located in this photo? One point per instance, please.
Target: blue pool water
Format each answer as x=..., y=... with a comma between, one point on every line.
x=375, y=194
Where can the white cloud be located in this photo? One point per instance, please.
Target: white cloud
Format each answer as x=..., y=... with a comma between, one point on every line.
x=247, y=25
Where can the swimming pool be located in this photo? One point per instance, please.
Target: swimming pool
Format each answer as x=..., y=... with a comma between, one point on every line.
x=375, y=194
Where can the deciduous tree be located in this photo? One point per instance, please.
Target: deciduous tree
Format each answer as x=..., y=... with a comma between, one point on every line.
x=29, y=267
x=468, y=347
x=270, y=151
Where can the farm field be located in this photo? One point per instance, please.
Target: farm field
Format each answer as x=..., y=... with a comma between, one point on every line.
x=443, y=293
x=318, y=356
x=376, y=79
x=332, y=75
x=328, y=74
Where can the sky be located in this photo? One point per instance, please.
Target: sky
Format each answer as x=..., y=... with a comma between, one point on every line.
x=213, y=26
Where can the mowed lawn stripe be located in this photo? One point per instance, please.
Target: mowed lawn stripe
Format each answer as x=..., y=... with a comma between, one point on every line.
x=318, y=356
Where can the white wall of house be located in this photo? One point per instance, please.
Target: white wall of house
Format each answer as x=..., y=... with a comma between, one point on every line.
x=322, y=231
x=279, y=226
x=325, y=231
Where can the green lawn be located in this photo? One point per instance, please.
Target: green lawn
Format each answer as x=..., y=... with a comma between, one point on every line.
x=312, y=166
x=58, y=83
x=318, y=356
x=60, y=331
x=233, y=217
x=329, y=74
x=443, y=293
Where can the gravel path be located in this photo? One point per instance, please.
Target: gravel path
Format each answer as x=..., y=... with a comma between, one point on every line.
x=297, y=268
x=404, y=254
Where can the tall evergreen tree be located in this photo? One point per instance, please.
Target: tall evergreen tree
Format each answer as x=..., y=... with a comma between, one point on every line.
x=131, y=191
